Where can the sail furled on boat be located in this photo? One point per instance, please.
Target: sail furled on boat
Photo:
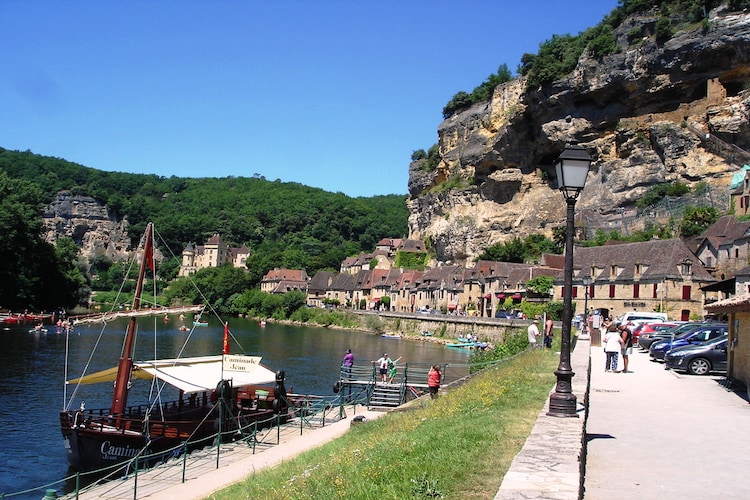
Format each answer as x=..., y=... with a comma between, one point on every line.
x=196, y=374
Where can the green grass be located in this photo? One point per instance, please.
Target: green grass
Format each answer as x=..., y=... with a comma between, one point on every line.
x=457, y=446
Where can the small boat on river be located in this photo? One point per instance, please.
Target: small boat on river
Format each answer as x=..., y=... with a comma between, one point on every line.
x=221, y=393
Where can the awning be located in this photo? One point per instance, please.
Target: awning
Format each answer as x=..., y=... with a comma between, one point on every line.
x=451, y=306
x=488, y=296
x=376, y=299
x=500, y=295
x=194, y=374
x=516, y=296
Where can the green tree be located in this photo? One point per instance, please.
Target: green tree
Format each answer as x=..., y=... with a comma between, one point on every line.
x=696, y=220
x=511, y=251
x=540, y=285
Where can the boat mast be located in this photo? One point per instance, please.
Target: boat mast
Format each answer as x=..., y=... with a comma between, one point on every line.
x=125, y=366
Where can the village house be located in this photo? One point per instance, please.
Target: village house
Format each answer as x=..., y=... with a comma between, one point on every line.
x=213, y=253
x=723, y=247
x=285, y=280
x=656, y=275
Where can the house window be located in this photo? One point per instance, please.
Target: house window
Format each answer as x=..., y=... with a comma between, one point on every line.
x=686, y=292
x=611, y=291
x=736, y=253
x=655, y=293
x=575, y=292
x=709, y=262
x=686, y=267
x=592, y=289
x=637, y=271
x=636, y=290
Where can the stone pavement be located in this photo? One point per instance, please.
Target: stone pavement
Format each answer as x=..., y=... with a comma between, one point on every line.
x=652, y=433
x=655, y=433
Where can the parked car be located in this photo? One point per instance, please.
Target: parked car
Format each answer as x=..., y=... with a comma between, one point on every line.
x=649, y=327
x=701, y=359
x=646, y=339
x=505, y=315
x=695, y=336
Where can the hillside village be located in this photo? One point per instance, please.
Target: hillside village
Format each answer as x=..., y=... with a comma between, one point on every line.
x=675, y=276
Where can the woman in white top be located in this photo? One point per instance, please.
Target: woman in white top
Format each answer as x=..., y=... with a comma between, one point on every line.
x=612, y=348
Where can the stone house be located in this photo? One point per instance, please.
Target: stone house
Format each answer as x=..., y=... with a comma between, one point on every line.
x=656, y=275
x=213, y=253
x=724, y=247
x=284, y=280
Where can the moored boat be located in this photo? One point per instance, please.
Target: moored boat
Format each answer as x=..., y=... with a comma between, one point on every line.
x=220, y=393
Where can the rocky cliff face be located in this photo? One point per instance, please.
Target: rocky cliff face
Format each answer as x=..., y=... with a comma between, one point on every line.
x=651, y=113
x=89, y=224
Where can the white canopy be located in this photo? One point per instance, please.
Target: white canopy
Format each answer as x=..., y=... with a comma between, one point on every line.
x=195, y=374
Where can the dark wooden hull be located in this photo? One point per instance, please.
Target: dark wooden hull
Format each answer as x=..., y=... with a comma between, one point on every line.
x=94, y=441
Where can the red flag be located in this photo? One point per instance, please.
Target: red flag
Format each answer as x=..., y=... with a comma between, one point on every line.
x=226, y=337
x=150, y=261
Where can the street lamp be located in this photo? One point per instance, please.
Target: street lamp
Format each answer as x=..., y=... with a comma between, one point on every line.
x=572, y=168
x=586, y=283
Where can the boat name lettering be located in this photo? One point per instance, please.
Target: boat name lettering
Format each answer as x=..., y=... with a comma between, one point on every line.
x=110, y=452
x=239, y=363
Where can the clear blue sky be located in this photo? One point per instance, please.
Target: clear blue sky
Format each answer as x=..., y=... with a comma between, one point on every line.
x=335, y=94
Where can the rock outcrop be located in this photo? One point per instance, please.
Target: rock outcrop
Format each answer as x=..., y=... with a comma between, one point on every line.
x=651, y=113
x=89, y=224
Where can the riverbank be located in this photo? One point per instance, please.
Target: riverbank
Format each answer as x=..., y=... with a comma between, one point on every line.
x=443, y=329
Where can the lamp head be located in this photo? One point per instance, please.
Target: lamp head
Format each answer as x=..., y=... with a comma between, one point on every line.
x=571, y=169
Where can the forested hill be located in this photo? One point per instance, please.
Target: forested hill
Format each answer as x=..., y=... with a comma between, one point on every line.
x=282, y=223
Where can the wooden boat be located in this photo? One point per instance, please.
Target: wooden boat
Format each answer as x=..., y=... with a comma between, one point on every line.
x=392, y=335
x=217, y=393
x=200, y=323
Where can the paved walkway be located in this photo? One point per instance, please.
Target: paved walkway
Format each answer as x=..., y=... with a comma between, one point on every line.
x=657, y=434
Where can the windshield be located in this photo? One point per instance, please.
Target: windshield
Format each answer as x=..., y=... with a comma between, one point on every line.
x=717, y=340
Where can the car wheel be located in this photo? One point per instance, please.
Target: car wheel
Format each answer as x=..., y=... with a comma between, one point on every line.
x=699, y=366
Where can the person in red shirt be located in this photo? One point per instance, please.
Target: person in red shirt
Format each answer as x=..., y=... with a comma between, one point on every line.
x=433, y=380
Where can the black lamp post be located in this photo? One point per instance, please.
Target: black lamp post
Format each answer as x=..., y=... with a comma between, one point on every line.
x=572, y=168
x=586, y=283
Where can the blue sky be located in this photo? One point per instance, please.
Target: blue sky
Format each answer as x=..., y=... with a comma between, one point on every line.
x=335, y=94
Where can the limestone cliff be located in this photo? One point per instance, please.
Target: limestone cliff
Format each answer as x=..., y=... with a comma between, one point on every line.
x=89, y=224
x=653, y=112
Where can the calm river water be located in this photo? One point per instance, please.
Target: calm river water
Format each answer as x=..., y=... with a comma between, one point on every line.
x=32, y=371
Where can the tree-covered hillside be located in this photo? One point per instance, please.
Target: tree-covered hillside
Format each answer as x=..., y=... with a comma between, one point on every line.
x=283, y=224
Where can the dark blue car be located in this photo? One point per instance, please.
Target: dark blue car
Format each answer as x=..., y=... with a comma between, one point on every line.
x=700, y=359
x=695, y=336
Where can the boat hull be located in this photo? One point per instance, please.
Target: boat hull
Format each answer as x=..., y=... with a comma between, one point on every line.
x=93, y=440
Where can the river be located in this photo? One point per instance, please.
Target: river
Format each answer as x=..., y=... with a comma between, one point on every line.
x=32, y=371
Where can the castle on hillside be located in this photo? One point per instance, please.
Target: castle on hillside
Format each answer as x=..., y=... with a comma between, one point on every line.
x=212, y=254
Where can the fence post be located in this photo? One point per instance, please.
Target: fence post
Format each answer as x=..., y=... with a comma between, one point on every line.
x=184, y=460
x=135, y=480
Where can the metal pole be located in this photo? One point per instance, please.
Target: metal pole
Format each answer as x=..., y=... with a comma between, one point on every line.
x=562, y=402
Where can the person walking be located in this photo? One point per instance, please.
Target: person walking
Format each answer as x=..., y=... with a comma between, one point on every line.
x=612, y=348
x=627, y=346
x=383, y=363
x=348, y=363
x=434, y=376
x=548, y=333
x=533, y=332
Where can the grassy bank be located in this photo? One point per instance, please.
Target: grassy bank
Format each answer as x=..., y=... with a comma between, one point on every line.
x=457, y=446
